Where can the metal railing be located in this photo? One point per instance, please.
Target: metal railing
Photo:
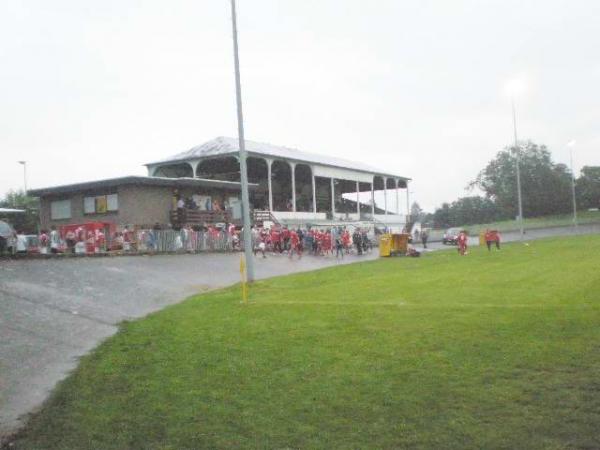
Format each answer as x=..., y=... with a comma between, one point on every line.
x=198, y=217
x=185, y=240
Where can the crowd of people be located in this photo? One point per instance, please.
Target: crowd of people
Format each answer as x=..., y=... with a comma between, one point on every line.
x=313, y=240
x=276, y=239
x=338, y=241
x=82, y=240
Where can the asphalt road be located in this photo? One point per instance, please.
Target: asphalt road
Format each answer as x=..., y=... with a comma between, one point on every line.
x=54, y=311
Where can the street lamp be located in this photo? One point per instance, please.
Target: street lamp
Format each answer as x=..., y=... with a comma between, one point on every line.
x=24, y=164
x=514, y=87
x=242, y=155
x=570, y=145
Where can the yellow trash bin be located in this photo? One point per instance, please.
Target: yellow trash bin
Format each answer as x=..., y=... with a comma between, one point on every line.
x=482, y=238
x=385, y=245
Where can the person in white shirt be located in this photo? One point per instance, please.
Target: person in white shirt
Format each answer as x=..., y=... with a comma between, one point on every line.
x=54, y=240
x=181, y=211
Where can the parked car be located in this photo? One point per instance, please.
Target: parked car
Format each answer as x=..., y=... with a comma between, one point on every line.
x=7, y=238
x=451, y=236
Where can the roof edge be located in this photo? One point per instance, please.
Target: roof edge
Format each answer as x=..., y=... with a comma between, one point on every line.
x=133, y=179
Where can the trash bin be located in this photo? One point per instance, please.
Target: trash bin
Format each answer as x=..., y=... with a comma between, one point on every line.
x=385, y=242
x=482, y=238
x=399, y=244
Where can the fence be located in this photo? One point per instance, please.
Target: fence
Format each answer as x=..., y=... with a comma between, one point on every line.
x=165, y=241
x=142, y=241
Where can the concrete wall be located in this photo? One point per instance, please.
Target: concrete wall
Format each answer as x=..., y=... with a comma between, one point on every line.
x=145, y=205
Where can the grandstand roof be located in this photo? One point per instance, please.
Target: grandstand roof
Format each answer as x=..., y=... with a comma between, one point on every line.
x=222, y=146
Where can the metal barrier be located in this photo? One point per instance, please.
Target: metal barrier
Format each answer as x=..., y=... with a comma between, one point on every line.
x=167, y=241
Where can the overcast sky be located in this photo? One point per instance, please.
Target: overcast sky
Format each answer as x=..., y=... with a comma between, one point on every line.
x=95, y=89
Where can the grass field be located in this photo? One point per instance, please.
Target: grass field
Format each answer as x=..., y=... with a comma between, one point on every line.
x=564, y=220
x=491, y=350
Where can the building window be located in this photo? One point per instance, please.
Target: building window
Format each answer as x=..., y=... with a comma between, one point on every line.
x=100, y=204
x=60, y=209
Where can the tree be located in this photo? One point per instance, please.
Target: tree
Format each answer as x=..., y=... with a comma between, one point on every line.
x=473, y=210
x=27, y=222
x=466, y=211
x=441, y=216
x=545, y=186
x=416, y=212
x=587, y=187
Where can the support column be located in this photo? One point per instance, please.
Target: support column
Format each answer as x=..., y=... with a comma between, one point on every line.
x=397, y=200
x=332, y=198
x=293, y=166
x=373, y=199
x=194, y=165
x=385, y=194
x=314, y=190
x=269, y=164
x=358, y=199
x=407, y=202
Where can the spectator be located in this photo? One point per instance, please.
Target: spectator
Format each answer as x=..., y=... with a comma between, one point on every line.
x=356, y=239
x=54, y=240
x=285, y=237
x=180, y=210
x=424, y=237
x=295, y=244
x=70, y=238
x=44, y=240
x=276, y=240
x=339, y=247
x=126, y=239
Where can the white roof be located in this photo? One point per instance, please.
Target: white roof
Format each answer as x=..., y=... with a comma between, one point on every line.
x=226, y=145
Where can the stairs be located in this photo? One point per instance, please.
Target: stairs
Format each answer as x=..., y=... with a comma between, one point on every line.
x=260, y=217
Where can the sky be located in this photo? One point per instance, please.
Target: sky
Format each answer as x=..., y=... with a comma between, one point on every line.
x=92, y=90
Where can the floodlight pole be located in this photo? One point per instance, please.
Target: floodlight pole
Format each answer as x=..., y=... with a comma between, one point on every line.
x=242, y=155
x=518, y=157
x=24, y=164
x=573, y=189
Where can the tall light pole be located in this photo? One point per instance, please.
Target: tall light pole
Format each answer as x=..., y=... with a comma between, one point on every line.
x=242, y=155
x=24, y=164
x=570, y=145
x=518, y=160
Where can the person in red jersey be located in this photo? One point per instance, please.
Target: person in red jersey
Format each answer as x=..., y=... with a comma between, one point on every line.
x=462, y=243
x=327, y=242
x=346, y=241
x=295, y=244
x=276, y=240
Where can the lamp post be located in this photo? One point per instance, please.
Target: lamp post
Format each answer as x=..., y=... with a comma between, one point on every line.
x=513, y=87
x=570, y=145
x=24, y=164
x=242, y=155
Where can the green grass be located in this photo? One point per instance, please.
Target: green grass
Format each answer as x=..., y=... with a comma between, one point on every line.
x=491, y=350
x=583, y=217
